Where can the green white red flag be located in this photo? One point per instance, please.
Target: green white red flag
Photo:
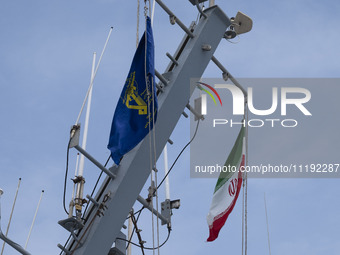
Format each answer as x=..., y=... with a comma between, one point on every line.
x=227, y=188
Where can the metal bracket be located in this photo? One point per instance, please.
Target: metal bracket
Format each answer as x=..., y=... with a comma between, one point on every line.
x=155, y=212
x=120, y=245
x=193, y=111
x=199, y=1
x=92, y=200
x=166, y=211
x=74, y=135
x=71, y=224
x=94, y=161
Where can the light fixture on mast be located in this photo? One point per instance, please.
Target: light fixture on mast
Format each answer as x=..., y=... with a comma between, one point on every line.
x=239, y=25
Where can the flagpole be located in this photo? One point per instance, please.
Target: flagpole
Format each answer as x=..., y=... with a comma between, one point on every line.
x=10, y=217
x=246, y=179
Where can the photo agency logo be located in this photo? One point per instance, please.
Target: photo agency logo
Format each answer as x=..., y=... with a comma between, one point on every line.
x=289, y=97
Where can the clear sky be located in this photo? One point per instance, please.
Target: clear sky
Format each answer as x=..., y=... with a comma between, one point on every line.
x=45, y=63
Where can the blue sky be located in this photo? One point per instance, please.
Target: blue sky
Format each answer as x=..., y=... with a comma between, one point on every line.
x=45, y=63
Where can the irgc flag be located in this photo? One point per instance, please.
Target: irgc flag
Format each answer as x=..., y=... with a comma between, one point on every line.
x=227, y=188
x=137, y=105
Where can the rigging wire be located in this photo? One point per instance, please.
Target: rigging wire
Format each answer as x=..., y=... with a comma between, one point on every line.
x=173, y=164
x=155, y=159
x=107, y=161
x=137, y=32
x=68, y=239
x=147, y=248
x=95, y=186
x=135, y=212
x=152, y=165
x=155, y=156
x=265, y=207
x=134, y=228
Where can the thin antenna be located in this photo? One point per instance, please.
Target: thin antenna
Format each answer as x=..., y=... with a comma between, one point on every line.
x=265, y=207
x=87, y=117
x=81, y=180
x=153, y=11
x=10, y=217
x=95, y=72
x=35, y=215
x=166, y=170
x=6, y=239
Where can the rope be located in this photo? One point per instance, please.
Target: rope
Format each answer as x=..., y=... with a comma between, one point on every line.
x=155, y=159
x=154, y=132
x=137, y=32
x=149, y=125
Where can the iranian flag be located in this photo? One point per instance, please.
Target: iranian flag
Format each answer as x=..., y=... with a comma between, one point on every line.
x=227, y=188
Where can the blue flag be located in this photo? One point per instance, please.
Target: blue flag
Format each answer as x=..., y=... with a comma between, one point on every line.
x=133, y=117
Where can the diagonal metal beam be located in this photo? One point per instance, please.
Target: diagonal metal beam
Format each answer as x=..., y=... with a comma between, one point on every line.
x=119, y=194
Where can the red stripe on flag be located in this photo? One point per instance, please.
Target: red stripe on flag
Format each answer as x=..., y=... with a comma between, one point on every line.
x=220, y=219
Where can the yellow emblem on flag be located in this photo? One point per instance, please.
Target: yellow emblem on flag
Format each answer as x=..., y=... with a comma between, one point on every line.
x=133, y=96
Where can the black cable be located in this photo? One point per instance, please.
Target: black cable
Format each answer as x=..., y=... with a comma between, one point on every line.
x=173, y=164
x=66, y=171
x=134, y=228
x=139, y=211
x=135, y=212
x=147, y=248
x=169, y=230
x=95, y=186
x=65, y=244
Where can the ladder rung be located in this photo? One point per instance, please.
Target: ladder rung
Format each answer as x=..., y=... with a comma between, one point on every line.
x=172, y=58
x=178, y=21
x=227, y=75
x=161, y=78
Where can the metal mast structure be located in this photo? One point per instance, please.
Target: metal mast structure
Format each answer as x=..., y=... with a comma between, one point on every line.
x=102, y=224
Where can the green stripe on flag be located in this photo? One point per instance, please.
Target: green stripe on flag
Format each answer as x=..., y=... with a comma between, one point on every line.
x=234, y=159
